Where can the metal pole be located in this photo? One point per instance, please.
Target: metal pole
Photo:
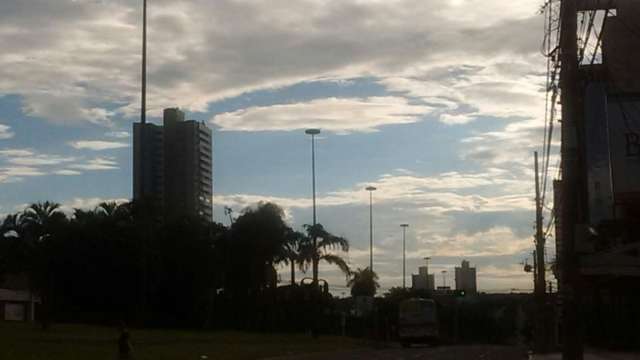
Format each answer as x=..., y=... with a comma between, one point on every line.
x=313, y=185
x=370, y=189
x=313, y=133
x=404, y=256
x=143, y=107
x=371, y=231
x=143, y=104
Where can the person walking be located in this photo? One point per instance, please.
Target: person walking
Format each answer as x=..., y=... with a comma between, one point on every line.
x=124, y=343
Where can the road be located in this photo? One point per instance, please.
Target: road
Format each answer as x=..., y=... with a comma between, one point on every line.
x=471, y=352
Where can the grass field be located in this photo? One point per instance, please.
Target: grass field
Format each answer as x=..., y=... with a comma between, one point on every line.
x=82, y=342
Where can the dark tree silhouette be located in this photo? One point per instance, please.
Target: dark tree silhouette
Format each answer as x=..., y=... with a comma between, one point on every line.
x=326, y=243
x=258, y=237
x=363, y=282
x=44, y=225
x=292, y=254
x=128, y=262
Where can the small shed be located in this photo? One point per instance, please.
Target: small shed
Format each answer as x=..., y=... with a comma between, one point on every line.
x=17, y=305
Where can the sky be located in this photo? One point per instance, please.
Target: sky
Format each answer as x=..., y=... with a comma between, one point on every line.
x=439, y=104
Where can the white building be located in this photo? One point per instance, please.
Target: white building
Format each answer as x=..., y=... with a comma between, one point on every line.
x=423, y=280
x=466, y=278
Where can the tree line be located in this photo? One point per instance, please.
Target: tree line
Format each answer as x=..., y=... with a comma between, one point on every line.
x=122, y=262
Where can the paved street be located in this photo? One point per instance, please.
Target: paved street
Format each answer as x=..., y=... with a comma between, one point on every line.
x=594, y=355
x=471, y=352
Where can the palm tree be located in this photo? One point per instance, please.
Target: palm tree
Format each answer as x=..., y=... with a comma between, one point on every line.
x=292, y=251
x=12, y=251
x=42, y=221
x=41, y=217
x=85, y=217
x=326, y=242
x=12, y=226
x=108, y=208
x=363, y=282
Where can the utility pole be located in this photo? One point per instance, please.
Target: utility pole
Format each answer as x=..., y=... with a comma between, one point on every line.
x=572, y=337
x=540, y=282
x=571, y=329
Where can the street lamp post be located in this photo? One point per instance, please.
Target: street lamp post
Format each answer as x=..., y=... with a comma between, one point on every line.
x=313, y=133
x=404, y=255
x=370, y=189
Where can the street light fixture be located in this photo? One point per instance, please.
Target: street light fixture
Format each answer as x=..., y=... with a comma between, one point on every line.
x=370, y=189
x=313, y=133
x=404, y=255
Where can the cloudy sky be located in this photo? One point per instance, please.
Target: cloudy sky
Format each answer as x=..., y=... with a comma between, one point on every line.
x=439, y=104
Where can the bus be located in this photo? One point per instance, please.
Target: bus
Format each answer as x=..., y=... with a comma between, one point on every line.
x=418, y=322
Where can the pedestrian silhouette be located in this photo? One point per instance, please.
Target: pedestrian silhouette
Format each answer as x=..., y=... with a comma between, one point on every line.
x=124, y=343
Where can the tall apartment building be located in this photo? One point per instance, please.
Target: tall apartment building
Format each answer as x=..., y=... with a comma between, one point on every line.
x=176, y=166
x=423, y=280
x=466, y=278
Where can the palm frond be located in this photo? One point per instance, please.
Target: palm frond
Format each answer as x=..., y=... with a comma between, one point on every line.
x=338, y=261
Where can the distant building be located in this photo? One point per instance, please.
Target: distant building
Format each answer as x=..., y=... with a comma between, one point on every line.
x=17, y=303
x=423, y=280
x=175, y=168
x=466, y=278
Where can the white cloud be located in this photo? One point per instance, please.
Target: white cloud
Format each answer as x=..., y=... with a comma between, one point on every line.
x=501, y=87
x=456, y=119
x=434, y=194
x=332, y=114
x=118, y=134
x=16, y=164
x=77, y=60
x=493, y=242
x=87, y=203
x=21, y=171
x=67, y=172
x=447, y=216
x=5, y=132
x=39, y=160
x=16, y=152
x=97, y=145
x=98, y=163
x=17, y=173
x=511, y=147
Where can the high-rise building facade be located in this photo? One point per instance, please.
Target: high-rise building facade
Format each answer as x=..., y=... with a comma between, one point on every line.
x=174, y=166
x=466, y=278
x=423, y=280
